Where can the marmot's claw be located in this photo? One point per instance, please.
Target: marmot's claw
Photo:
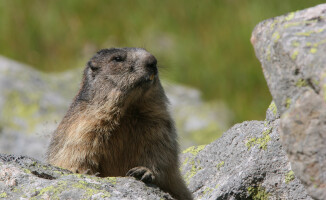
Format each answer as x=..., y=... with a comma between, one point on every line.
x=141, y=173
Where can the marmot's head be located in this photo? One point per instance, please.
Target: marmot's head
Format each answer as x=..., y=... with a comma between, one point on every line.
x=127, y=70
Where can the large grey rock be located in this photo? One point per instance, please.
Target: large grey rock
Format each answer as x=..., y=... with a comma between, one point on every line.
x=33, y=103
x=292, y=51
x=25, y=178
x=247, y=162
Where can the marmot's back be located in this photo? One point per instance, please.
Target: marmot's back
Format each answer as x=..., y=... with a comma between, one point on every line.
x=118, y=123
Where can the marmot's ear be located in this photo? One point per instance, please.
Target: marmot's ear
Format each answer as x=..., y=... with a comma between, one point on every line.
x=93, y=65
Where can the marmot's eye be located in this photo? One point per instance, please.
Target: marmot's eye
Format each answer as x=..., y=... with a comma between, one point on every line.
x=118, y=58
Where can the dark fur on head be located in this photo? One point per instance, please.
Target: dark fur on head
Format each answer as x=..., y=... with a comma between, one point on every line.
x=119, y=123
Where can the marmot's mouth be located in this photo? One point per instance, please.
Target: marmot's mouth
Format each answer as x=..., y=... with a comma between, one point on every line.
x=152, y=77
x=146, y=80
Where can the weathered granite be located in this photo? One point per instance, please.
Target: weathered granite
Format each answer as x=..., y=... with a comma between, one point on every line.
x=247, y=162
x=292, y=51
x=26, y=178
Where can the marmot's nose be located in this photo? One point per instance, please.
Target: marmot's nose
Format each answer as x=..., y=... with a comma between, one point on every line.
x=150, y=64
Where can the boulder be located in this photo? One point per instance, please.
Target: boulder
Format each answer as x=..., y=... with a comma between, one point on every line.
x=247, y=162
x=22, y=177
x=292, y=49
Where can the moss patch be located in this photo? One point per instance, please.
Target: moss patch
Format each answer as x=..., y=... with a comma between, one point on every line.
x=289, y=177
x=257, y=193
x=261, y=141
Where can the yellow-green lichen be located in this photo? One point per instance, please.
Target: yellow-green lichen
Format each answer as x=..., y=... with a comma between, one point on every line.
x=261, y=141
x=3, y=195
x=268, y=53
x=257, y=193
x=52, y=190
x=324, y=92
x=207, y=191
x=184, y=162
x=295, y=44
x=289, y=16
x=289, y=177
x=194, y=150
x=193, y=171
x=27, y=171
x=295, y=54
x=273, y=24
x=313, y=50
x=88, y=190
x=272, y=107
x=276, y=36
x=112, y=180
x=314, y=46
x=301, y=83
x=219, y=165
x=287, y=102
x=287, y=25
x=308, y=33
x=315, y=81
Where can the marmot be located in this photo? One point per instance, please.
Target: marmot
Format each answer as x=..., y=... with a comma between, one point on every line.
x=119, y=124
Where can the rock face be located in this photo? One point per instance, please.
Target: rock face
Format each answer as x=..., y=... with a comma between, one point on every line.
x=292, y=51
x=26, y=178
x=247, y=162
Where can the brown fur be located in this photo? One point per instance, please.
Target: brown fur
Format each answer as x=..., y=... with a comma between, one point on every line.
x=118, y=124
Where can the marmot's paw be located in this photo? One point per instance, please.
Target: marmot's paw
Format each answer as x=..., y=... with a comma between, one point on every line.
x=142, y=173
